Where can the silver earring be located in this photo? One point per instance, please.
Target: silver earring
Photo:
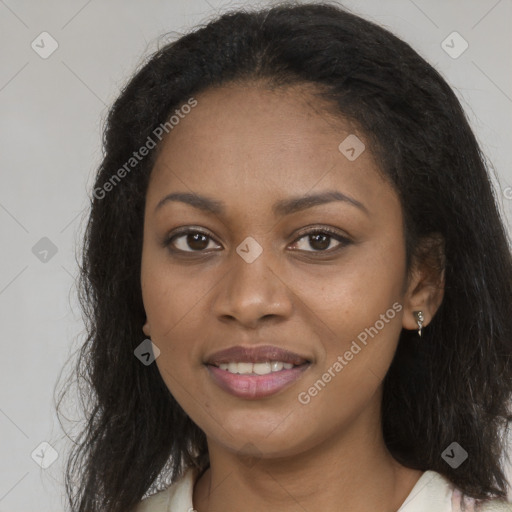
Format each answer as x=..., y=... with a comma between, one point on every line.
x=419, y=318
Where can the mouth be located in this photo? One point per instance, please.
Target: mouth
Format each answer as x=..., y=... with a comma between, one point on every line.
x=258, y=355
x=259, y=368
x=255, y=372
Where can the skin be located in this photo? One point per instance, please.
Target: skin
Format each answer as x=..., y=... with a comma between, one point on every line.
x=248, y=147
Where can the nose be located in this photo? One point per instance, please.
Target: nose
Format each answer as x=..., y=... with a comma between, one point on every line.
x=252, y=292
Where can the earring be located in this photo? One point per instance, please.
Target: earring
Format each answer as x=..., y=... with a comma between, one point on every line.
x=419, y=318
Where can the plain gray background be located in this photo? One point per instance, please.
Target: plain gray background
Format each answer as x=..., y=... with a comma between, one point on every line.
x=51, y=115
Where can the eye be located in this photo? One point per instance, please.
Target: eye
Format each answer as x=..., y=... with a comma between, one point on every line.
x=193, y=240
x=189, y=240
x=320, y=240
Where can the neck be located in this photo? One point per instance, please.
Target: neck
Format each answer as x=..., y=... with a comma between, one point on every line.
x=350, y=470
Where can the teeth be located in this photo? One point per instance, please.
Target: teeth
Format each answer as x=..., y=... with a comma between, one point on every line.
x=277, y=366
x=261, y=368
x=256, y=368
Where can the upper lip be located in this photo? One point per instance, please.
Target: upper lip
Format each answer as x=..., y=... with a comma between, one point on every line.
x=240, y=354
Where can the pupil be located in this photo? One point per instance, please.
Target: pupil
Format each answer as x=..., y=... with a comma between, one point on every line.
x=194, y=242
x=322, y=239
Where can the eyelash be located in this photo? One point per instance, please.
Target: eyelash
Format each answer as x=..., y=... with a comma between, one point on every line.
x=343, y=241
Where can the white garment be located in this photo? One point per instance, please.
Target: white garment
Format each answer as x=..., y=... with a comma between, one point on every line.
x=431, y=493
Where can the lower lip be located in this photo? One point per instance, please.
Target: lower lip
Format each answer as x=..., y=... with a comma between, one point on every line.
x=252, y=387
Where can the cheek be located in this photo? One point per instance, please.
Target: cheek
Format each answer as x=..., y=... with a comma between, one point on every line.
x=358, y=323
x=174, y=300
x=345, y=299
x=356, y=313
x=171, y=293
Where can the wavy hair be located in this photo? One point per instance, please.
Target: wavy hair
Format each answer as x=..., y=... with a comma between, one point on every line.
x=453, y=384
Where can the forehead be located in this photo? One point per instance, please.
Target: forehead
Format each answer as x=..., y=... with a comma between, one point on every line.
x=250, y=141
x=255, y=118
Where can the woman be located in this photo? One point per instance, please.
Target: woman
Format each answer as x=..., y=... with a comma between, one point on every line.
x=297, y=281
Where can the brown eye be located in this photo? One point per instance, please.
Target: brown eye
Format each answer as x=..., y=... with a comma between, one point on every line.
x=320, y=240
x=189, y=241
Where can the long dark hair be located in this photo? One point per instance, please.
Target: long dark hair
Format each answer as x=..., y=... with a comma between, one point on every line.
x=452, y=386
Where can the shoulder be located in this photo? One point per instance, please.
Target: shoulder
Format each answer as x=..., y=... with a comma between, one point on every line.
x=158, y=502
x=175, y=498
x=460, y=503
x=434, y=492
x=495, y=505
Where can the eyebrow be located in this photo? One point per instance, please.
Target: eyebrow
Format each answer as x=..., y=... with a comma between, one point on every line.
x=281, y=207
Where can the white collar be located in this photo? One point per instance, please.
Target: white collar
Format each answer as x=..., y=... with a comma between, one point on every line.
x=432, y=493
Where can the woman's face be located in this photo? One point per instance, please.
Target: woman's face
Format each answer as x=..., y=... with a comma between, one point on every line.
x=249, y=274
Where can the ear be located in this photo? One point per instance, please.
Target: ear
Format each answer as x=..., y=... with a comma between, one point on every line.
x=425, y=287
x=146, y=329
